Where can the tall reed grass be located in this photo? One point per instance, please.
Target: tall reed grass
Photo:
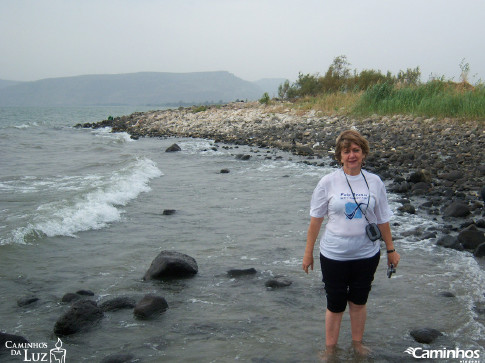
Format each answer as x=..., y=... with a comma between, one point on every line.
x=432, y=99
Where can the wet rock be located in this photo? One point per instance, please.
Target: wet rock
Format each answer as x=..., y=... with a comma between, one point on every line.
x=70, y=297
x=150, y=306
x=450, y=242
x=241, y=272
x=479, y=251
x=407, y=208
x=27, y=300
x=243, y=157
x=400, y=187
x=452, y=176
x=447, y=294
x=420, y=188
x=225, y=171
x=85, y=292
x=173, y=148
x=118, y=303
x=278, y=282
x=15, y=339
x=457, y=209
x=421, y=176
x=425, y=335
x=119, y=358
x=471, y=237
x=303, y=150
x=82, y=315
x=171, y=264
x=168, y=212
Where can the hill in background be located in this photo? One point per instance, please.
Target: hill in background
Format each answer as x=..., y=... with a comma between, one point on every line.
x=145, y=88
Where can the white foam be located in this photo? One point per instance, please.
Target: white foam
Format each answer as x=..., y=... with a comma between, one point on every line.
x=106, y=132
x=92, y=210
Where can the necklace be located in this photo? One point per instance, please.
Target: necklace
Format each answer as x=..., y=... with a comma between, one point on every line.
x=355, y=199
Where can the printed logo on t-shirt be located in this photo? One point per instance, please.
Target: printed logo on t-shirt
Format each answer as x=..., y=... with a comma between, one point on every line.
x=352, y=211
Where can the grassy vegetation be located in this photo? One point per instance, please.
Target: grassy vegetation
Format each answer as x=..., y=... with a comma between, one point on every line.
x=433, y=99
x=370, y=92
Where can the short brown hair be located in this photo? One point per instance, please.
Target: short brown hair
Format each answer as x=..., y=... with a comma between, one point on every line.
x=346, y=138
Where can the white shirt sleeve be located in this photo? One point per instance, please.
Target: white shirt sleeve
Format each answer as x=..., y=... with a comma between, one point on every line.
x=319, y=202
x=382, y=210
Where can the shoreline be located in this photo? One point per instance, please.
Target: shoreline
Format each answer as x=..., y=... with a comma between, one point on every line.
x=440, y=160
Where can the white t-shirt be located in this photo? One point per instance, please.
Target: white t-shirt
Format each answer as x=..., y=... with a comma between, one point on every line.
x=345, y=237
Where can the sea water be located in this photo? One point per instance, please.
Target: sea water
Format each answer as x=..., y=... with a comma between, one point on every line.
x=82, y=209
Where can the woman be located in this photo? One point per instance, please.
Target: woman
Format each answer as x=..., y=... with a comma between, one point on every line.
x=351, y=199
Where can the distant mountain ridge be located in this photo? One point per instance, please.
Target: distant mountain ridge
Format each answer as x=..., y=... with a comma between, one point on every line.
x=144, y=88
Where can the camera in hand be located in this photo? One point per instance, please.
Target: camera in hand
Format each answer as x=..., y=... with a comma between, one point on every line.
x=390, y=270
x=373, y=232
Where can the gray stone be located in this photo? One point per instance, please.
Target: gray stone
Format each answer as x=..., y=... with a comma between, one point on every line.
x=450, y=242
x=471, y=237
x=457, y=209
x=82, y=315
x=118, y=303
x=27, y=300
x=278, y=282
x=150, y=306
x=480, y=251
x=173, y=148
x=171, y=264
x=241, y=272
x=425, y=335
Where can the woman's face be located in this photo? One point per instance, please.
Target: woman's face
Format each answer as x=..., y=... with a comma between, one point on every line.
x=352, y=158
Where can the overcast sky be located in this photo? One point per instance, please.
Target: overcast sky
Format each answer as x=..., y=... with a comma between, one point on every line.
x=252, y=39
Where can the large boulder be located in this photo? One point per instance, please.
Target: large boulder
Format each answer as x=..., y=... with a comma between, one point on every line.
x=171, y=264
x=471, y=237
x=82, y=315
x=150, y=306
x=457, y=209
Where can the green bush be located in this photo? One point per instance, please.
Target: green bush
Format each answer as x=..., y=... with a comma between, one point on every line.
x=265, y=99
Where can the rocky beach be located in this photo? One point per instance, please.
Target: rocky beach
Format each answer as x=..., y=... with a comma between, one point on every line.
x=183, y=196
x=436, y=165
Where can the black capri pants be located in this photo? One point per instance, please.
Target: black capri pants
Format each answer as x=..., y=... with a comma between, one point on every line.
x=348, y=281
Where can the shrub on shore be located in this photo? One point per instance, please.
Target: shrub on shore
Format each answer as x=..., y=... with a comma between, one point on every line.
x=371, y=92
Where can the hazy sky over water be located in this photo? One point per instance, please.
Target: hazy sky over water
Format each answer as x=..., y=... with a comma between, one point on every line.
x=252, y=39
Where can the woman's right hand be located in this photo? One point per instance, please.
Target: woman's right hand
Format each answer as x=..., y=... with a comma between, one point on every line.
x=307, y=262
